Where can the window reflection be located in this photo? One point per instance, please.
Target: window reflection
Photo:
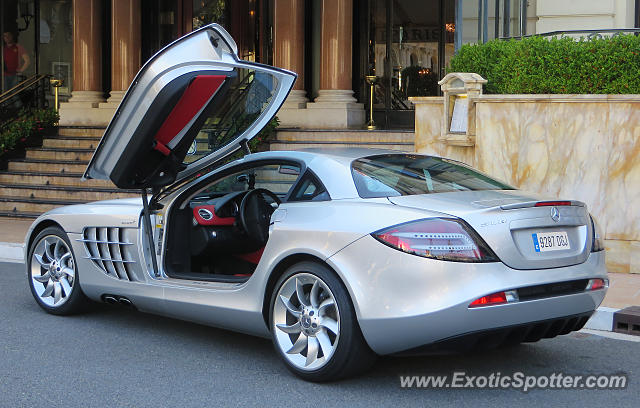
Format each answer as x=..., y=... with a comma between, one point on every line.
x=246, y=99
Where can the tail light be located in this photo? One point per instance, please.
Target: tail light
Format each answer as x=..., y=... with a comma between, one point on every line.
x=595, y=284
x=597, y=237
x=446, y=239
x=497, y=298
x=492, y=299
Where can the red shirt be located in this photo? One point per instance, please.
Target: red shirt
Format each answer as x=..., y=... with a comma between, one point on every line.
x=12, y=55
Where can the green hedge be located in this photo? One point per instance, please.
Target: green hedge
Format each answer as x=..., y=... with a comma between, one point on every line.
x=537, y=65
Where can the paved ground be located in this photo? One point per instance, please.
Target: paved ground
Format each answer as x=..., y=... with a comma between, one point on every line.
x=115, y=357
x=13, y=229
x=624, y=290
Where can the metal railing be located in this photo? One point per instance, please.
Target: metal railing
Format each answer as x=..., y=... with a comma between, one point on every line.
x=590, y=33
x=28, y=95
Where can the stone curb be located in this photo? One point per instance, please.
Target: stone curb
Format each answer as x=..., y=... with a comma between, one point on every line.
x=602, y=319
x=11, y=252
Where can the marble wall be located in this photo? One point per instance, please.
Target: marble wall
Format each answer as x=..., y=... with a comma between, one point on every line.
x=582, y=147
x=429, y=116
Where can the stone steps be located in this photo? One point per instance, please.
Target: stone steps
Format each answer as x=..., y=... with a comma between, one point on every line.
x=296, y=139
x=84, y=132
x=19, y=214
x=346, y=136
x=71, y=143
x=304, y=144
x=63, y=154
x=50, y=176
x=53, y=179
x=57, y=166
x=63, y=192
x=24, y=207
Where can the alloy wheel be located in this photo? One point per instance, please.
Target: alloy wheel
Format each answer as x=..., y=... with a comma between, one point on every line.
x=306, y=321
x=53, y=272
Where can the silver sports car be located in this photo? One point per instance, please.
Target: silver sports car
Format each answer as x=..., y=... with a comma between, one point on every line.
x=337, y=255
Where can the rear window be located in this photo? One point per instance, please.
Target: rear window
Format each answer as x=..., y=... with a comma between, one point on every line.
x=403, y=174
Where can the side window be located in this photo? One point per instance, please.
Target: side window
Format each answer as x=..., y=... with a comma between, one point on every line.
x=277, y=178
x=228, y=184
x=309, y=189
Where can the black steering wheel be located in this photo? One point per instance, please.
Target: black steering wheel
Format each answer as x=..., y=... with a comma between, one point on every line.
x=255, y=214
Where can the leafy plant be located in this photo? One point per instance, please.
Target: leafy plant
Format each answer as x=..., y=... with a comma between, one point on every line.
x=47, y=118
x=259, y=142
x=537, y=65
x=26, y=125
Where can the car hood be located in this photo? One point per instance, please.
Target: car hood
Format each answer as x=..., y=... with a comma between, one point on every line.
x=191, y=105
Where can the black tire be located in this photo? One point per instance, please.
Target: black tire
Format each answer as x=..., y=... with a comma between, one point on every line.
x=76, y=301
x=352, y=355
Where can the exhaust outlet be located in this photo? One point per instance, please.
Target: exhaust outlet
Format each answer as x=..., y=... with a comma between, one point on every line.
x=110, y=300
x=125, y=302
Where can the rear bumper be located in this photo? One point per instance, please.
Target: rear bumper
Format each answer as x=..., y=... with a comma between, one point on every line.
x=386, y=336
x=404, y=301
x=503, y=336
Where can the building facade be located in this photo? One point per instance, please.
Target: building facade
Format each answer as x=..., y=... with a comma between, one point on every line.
x=96, y=46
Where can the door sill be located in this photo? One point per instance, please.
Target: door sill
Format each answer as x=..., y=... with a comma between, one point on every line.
x=208, y=277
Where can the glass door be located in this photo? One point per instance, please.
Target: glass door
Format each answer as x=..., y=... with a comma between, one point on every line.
x=410, y=42
x=246, y=21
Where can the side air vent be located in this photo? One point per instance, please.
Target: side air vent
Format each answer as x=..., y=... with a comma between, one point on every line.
x=205, y=214
x=110, y=251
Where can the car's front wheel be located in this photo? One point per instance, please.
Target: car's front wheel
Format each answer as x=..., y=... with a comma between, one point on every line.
x=53, y=275
x=314, y=327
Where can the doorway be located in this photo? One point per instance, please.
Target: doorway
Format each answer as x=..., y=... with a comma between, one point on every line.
x=248, y=22
x=407, y=45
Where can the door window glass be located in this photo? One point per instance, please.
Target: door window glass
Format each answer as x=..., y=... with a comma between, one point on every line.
x=277, y=178
x=242, y=104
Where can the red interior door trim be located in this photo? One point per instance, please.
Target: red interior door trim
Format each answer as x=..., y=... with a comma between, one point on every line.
x=198, y=93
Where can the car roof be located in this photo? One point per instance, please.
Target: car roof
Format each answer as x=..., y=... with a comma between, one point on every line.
x=339, y=154
x=331, y=165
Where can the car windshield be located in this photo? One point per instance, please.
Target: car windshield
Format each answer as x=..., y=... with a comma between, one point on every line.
x=403, y=174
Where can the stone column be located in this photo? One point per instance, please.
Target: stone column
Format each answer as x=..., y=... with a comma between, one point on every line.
x=335, y=73
x=87, y=91
x=125, y=47
x=87, y=52
x=288, y=46
x=336, y=107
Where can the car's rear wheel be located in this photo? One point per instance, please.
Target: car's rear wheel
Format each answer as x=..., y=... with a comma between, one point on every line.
x=53, y=274
x=314, y=327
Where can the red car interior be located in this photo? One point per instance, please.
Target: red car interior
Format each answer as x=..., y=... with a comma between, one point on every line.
x=215, y=220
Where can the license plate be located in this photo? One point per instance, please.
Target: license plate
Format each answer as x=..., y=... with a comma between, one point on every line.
x=550, y=241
